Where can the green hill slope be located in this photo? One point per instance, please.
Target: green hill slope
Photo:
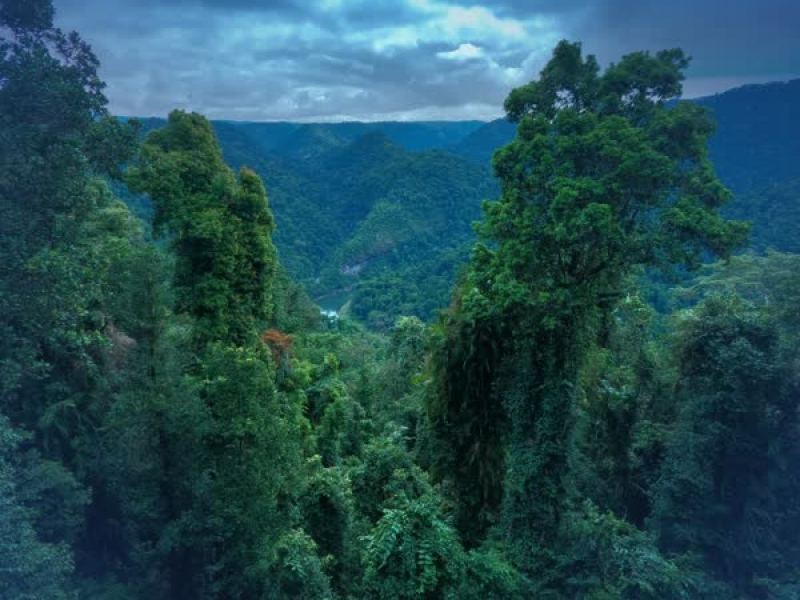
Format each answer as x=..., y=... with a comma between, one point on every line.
x=352, y=216
x=366, y=221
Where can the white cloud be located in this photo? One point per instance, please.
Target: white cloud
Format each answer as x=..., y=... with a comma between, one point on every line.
x=466, y=51
x=389, y=39
x=479, y=20
x=401, y=59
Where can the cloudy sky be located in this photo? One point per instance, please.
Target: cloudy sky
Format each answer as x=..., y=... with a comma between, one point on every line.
x=404, y=59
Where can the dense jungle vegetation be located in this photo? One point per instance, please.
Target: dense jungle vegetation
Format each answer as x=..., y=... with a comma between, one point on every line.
x=376, y=218
x=606, y=407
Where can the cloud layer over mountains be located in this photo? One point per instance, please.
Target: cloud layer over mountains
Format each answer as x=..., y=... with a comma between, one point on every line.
x=403, y=59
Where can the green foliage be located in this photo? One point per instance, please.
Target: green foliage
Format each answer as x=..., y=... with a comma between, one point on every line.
x=293, y=310
x=604, y=177
x=418, y=290
x=178, y=420
x=297, y=572
x=326, y=505
x=609, y=558
x=727, y=477
x=624, y=411
x=488, y=575
x=249, y=456
x=54, y=120
x=30, y=568
x=220, y=228
x=386, y=470
x=401, y=379
x=52, y=117
x=411, y=552
x=63, y=240
x=466, y=416
x=773, y=211
x=770, y=282
x=343, y=425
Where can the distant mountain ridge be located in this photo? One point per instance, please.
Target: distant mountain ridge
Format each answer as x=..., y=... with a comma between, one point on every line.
x=411, y=135
x=757, y=140
x=758, y=134
x=380, y=213
x=351, y=213
x=481, y=143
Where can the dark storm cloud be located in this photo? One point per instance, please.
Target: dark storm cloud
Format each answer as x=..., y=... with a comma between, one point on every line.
x=369, y=59
x=727, y=38
x=733, y=36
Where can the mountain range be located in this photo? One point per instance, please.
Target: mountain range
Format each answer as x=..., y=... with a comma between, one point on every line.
x=377, y=216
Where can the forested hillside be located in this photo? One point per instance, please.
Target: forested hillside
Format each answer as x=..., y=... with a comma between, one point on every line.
x=362, y=220
x=369, y=221
x=179, y=421
x=412, y=135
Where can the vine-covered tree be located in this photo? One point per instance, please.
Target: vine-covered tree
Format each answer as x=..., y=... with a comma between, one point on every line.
x=607, y=174
x=220, y=228
x=246, y=448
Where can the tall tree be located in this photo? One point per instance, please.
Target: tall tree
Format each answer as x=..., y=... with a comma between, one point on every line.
x=55, y=135
x=61, y=234
x=607, y=174
x=220, y=229
x=244, y=444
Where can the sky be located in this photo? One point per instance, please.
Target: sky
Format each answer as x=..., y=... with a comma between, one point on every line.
x=335, y=60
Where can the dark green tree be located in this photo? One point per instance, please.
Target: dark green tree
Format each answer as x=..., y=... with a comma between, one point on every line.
x=728, y=488
x=467, y=421
x=606, y=175
x=52, y=123
x=62, y=237
x=624, y=411
x=244, y=445
x=251, y=459
x=219, y=227
x=30, y=568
